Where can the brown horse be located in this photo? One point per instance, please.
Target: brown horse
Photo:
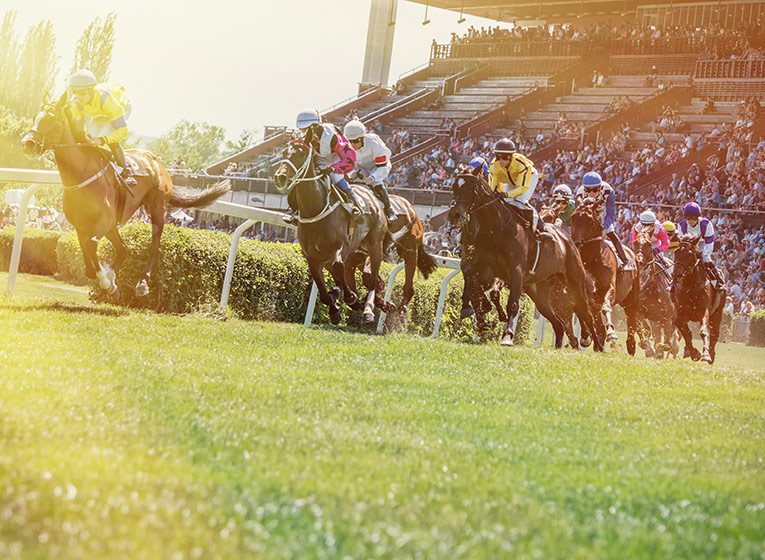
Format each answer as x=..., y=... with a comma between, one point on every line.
x=330, y=239
x=506, y=244
x=696, y=300
x=612, y=285
x=656, y=313
x=96, y=201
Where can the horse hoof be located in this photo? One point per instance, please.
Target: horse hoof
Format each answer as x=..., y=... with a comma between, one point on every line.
x=706, y=358
x=357, y=306
x=611, y=337
x=334, y=316
x=351, y=301
x=648, y=352
x=585, y=341
x=142, y=288
x=466, y=312
x=368, y=317
x=507, y=340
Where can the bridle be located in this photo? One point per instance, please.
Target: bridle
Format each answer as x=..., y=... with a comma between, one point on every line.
x=299, y=177
x=481, y=183
x=597, y=239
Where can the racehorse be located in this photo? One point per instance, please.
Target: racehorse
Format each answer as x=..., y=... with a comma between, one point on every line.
x=506, y=245
x=656, y=311
x=330, y=238
x=560, y=298
x=96, y=201
x=612, y=285
x=696, y=300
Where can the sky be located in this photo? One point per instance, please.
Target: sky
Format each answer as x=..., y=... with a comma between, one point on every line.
x=240, y=65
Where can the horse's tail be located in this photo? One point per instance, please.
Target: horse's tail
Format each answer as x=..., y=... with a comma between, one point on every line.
x=185, y=198
x=426, y=264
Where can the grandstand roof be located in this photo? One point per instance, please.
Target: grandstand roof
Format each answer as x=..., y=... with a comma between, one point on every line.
x=513, y=10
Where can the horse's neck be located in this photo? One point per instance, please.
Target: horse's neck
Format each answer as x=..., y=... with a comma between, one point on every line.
x=696, y=278
x=76, y=163
x=311, y=196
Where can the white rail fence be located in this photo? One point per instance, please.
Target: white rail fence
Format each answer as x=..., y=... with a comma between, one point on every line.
x=36, y=178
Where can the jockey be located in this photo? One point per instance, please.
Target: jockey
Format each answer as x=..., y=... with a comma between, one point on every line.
x=478, y=166
x=335, y=156
x=372, y=161
x=99, y=112
x=564, y=203
x=594, y=186
x=513, y=176
x=693, y=224
x=674, y=240
x=659, y=237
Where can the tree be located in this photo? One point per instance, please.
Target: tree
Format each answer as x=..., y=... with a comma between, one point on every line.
x=9, y=51
x=245, y=140
x=198, y=144
x=94, y=48
x=37, y=68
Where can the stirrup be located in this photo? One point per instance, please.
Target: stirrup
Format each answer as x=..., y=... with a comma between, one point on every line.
x=289, y=218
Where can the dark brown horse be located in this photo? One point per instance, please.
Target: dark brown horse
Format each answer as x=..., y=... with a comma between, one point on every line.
x=506, y=244
x=696, y=300
x=656, y=313
x=562, y=302
x=612, y=285
x=330, y=239
x=96, y=201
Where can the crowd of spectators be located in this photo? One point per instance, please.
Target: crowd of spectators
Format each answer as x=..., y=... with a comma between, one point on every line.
x=40, y=217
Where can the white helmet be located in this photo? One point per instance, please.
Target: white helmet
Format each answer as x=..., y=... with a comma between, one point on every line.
x=561, y=192
x=306, y=118
x=82, y=79
x=647, y=217
x=354, y=129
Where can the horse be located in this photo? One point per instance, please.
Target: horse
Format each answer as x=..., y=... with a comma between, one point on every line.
x=330, y=238
x=696, y=300
x=96, y=200
x=612, y=286
x=656, y=312
x=506, y=246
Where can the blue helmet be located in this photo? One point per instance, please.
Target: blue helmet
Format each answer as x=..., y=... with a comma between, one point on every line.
x=479, y=163
x=592, y=180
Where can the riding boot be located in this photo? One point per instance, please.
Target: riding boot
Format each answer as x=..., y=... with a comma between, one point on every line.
x=537, y=225
x=382, y=194
x=714, y=274
x=356, y=213
x=119, y=157
x=619, y=249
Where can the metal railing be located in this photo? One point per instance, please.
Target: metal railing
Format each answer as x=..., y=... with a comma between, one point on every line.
x=730, y=69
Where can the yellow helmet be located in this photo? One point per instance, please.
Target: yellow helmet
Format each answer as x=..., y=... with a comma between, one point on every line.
x=669, y=226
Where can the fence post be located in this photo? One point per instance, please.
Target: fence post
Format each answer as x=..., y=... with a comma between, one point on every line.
x=311, y=304
x=442, y=300
x=18, y=238
x=244, y=226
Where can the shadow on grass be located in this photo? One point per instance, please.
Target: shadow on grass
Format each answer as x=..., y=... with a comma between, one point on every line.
x=69, y=308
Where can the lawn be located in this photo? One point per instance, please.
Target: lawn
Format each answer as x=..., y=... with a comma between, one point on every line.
x=134, y=435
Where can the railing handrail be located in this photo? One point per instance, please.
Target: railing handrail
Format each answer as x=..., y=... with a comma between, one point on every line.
x=413, y=71
x=358, y=97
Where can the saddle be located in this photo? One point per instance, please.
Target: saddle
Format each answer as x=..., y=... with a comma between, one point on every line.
x=626, y=266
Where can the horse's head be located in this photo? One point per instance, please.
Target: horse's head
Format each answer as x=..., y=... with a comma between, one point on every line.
x=644, y=247
x=295, y=165
x=686, y=256
x=585, y=221
x=49, y=128
x=549, y=213
x=467, y=190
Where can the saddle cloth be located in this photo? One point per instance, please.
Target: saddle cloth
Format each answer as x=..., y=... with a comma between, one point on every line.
x=136, y=165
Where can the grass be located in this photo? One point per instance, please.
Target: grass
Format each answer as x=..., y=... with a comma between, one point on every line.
x=133, y=435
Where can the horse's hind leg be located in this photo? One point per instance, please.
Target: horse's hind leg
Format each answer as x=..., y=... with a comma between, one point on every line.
x=409, y=254
x=327, y=298
x=120, y=249
x=345, y=277
x=515, y=286
x=540, y=294
x=682, y=325
x=494, y=296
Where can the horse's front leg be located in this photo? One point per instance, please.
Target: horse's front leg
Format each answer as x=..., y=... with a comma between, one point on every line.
x=327, y=298
x=682, y=325
x=515, y=286
x=606, y=311
x=348, y=275
x=704, y=333
x=157, y=226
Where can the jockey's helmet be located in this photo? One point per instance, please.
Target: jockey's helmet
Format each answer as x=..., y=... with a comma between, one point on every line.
x=82, y=79
x=647, y=218
x=306, y=118
x=479, y=163
x=669, y=226
x=354, y=129
x=561, y=192
x=504, y=146
x=592, y=181
x=692, y=210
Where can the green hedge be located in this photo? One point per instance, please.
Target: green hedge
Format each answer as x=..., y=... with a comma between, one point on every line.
x=38, y=252
x=726, y=326
x=757, y=329
x=270, y=283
